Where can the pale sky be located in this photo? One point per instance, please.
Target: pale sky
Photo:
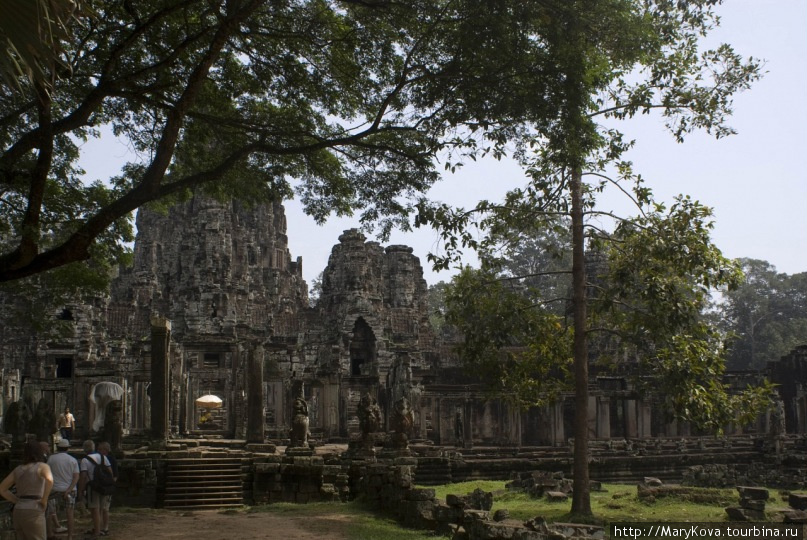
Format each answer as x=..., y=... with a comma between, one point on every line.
x=756, y=180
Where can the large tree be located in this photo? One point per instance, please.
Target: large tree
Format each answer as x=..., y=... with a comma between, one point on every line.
x=346, y=103
x=613, y=59
x=766, y=314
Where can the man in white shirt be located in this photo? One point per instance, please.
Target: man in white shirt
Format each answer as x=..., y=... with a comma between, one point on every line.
x=96, y=502
x=65, y=478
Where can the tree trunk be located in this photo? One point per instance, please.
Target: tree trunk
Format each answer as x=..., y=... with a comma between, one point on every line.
x=581, y=499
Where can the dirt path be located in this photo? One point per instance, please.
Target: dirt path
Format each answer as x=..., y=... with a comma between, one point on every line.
x=138, y=524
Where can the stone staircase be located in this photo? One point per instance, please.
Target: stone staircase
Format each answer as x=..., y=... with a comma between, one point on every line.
x=204, y=482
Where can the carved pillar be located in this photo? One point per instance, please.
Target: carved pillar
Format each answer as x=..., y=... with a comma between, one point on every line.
x=160, y=377
x=255, y=398
x=558, y=434
x=604, y=417
x=631, y=419
x=645, y=419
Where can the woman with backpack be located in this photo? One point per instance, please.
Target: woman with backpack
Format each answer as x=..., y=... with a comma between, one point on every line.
x=33, y=480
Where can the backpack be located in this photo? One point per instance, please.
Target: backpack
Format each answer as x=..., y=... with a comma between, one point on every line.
x=103, y=481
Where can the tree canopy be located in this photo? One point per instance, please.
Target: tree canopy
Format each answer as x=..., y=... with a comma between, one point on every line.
x=766, y=314
x=613, y=59
x=347, y=105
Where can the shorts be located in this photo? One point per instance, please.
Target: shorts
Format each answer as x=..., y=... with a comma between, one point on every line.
x=57, y=502
x=96, y=500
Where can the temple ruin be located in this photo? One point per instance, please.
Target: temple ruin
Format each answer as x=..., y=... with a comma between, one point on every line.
x=215, y=304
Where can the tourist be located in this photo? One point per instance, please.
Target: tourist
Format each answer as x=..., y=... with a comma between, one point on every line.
x=51, y=516
x=34, y=481
x=66, y=424
x=98, y=503
x=65, y=472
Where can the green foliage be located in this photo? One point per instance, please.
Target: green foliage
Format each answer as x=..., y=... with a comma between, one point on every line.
x=521, y=350
x=32, y=33
x=347, y=106
x=437, y=305
x=766, y=315
x=650, y=282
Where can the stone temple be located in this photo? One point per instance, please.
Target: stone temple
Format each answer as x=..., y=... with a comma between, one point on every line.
x=215, y=304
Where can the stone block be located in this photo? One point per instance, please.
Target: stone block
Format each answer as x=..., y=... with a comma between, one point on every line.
x=501, y=514
x=752, y=504
x=455, y=500
x=756, y=493
x=578, y=530
x=797, y=501
x=652, y=481
x=795, y=516
x=556, y=496
x=737, y=513
x=267, y=468
x=420, y=494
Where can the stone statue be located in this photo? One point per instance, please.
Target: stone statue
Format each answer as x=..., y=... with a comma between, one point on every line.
x=402, y=421
x=43, y=423
x=778, y=427
x=15, y=421
x=113, y=425
x=369, y=416
x=299, y=424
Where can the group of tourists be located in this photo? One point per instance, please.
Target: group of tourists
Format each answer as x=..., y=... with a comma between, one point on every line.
x=46, y=485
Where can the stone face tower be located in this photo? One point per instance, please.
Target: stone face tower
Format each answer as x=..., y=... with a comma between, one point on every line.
x=223, y=275
x=215, y=269
x=373, y=325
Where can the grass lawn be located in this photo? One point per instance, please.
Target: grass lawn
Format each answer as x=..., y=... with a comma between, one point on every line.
x=618, y=502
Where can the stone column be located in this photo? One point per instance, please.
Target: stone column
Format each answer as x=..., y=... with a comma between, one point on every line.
x=631, y=419
x=160, y=377
x=255, y=399
x=604, y=417
x=556, y=412
x=645, y=419
x=468, y=428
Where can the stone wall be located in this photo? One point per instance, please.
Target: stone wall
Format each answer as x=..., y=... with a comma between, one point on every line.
x=299, y=479
x=791, y=474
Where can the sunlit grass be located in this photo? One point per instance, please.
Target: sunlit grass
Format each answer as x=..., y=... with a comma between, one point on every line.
x=617, y=502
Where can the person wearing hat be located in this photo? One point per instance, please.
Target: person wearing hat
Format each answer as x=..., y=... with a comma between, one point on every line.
x=65, y=478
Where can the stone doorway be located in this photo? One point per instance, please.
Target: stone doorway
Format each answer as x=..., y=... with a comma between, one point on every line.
x=362, y=350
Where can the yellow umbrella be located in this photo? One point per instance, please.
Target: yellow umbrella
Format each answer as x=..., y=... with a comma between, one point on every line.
x=209, y=401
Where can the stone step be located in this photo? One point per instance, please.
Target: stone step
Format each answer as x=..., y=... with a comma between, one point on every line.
x=203, y=488
x=209, y=482
x=204, y=506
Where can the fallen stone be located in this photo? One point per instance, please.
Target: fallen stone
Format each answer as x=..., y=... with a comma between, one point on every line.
x=537, y=523
x=795, y=516
x=652, y=481
x=737, y=513
x=797, y=501
x=757, y=493
x=556, y=496
x=501, y=514
x=752, y=504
